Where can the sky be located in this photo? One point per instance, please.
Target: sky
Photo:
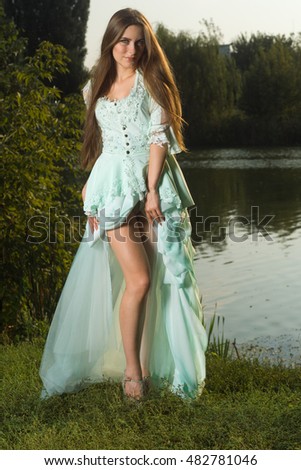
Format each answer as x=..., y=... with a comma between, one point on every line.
x=232, y=17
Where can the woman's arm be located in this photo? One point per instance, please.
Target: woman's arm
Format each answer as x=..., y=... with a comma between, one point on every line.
x=156, y=163
x=92, y=220
x=84, y=192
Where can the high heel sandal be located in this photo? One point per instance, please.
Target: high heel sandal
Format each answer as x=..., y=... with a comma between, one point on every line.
x=133, y=389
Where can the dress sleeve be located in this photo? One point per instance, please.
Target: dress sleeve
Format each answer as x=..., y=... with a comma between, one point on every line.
x=160, y=130
x=87, y=93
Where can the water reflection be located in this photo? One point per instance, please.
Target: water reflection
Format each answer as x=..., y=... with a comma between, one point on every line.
x=247, y=234
x=226, y=193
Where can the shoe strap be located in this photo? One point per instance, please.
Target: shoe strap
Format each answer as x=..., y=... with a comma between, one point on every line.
x=128, y=379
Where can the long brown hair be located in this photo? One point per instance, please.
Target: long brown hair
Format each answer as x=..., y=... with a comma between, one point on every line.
x=157, y=74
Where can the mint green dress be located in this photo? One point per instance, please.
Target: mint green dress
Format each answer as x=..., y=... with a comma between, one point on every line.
x=84, y=343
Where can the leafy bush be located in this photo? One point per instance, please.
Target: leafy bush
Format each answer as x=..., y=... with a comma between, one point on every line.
x=40, y=138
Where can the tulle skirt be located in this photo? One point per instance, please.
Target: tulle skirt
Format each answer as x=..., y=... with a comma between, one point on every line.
x=84, y=342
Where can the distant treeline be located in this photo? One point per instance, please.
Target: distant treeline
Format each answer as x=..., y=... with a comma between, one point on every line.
x=247, y=93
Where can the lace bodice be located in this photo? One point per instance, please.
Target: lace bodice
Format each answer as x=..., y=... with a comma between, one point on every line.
x=130, y=125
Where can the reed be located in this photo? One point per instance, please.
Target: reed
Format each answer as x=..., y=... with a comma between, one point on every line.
x=217, y=344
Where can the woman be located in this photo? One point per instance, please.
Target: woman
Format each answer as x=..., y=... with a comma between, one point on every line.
x=130, y=304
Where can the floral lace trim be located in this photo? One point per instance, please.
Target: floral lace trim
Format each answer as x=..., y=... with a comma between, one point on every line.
x=96, y=202
x=135, y=184
x=125, y=110
x=158, y=138
x=170, y=197
x=122, y=112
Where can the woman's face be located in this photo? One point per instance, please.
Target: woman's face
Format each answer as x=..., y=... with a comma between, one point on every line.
x=128, y=50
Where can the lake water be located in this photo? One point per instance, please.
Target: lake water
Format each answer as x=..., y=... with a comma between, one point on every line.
x=247, y=235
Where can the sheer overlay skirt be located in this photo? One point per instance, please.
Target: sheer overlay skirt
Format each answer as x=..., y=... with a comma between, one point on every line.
x=84, y=342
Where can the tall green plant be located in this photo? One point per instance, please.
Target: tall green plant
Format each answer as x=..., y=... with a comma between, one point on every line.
x=40, y=176
x=217, y=344
x=61, y=22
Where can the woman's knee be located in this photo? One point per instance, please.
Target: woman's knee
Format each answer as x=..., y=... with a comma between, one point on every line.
x=139, y=286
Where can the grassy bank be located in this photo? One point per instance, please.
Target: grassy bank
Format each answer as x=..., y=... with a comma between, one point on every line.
x=244, y=406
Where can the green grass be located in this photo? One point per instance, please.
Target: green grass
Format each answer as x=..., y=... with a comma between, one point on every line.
x=245, y=405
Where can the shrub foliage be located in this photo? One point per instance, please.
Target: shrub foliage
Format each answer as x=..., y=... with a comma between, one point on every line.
x=40, y=135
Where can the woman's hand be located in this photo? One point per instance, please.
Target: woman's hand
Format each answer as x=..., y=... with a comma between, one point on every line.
x=93, y=223
x=152, y=207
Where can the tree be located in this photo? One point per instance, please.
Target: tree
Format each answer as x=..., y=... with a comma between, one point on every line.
x=41, y=180
x=271, y=87
x=251, y=97
x=270, y=75
x=245, y=50
x=209, y=82
x=61, y=22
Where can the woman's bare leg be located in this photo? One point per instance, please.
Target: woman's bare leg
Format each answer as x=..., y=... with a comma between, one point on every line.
x=148, y=237
x=131, y=255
